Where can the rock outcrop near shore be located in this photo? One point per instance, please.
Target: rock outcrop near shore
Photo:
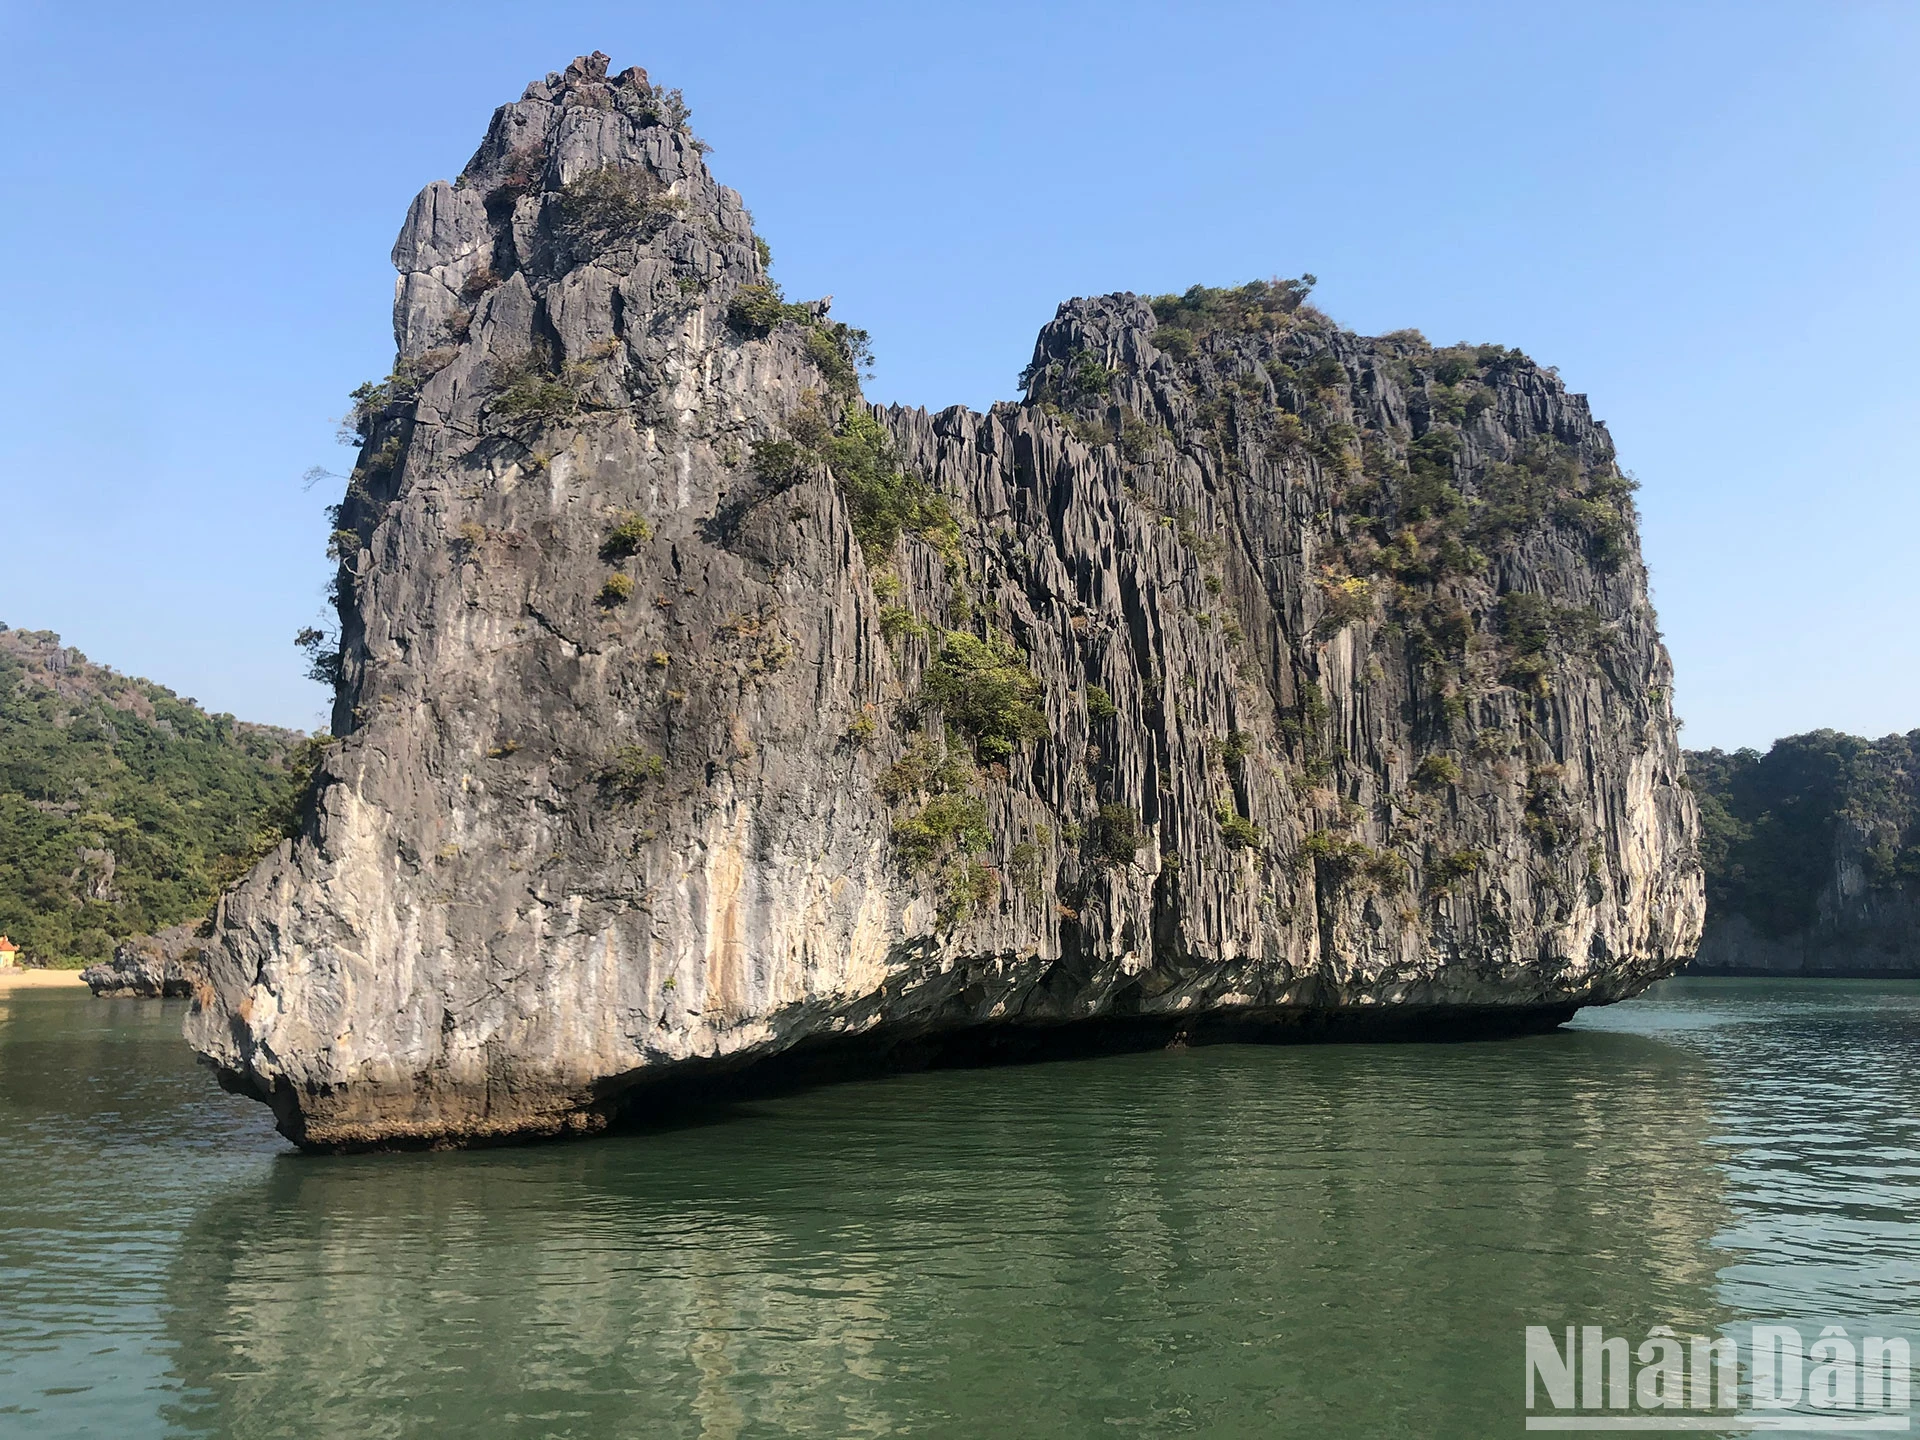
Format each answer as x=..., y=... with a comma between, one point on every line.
x=166, y=966
x=1249, y=676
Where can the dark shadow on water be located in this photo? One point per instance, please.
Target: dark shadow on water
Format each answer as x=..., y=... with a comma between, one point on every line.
x=697, y=1092
x=690, y=1093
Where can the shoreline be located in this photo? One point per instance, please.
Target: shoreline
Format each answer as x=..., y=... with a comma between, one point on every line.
x=17, y=977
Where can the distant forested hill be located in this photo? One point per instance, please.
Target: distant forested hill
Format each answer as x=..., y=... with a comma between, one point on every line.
x=123, y=808
x=1812, y=853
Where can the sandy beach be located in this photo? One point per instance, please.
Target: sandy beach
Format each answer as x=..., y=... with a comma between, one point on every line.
x=14, y=977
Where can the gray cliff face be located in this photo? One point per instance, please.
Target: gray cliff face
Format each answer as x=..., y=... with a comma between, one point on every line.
x=1860, y=934
x=1249, y=673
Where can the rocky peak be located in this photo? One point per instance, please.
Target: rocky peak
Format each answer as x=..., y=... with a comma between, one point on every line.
x=581, y=173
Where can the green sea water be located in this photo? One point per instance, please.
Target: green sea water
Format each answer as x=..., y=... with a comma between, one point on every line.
x=1225, y=1241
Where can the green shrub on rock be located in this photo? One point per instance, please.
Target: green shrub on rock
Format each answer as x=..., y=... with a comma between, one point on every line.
x=986, y=692
x=928, y=768
x=1239, y=832
x=1245, y=309
x=966, y=886
x=1233, y=748
x=626, y=537
x=885, y=500
x=611, y=205
x=946, y=824
x=756, y=309
x=631, y=770
x=1114, y=835
x=1344, y=863
x=1175, y=341
x=841, y=352
x=1535, y=631
x=1024, y=868
x=528, y=390
x=1448, y=870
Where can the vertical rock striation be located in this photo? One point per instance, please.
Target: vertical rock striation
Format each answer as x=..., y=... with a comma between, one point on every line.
x=1247, y=674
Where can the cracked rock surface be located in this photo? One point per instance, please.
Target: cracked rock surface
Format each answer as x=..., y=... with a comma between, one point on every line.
x=1247, y=675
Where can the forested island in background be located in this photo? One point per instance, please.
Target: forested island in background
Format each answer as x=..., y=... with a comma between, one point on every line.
x=124, y=809
x=1812, y=854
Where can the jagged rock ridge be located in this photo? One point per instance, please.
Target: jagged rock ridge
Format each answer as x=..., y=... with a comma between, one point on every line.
x=1247, y=673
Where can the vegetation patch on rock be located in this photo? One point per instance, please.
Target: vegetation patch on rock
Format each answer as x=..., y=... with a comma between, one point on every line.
x=985, y=691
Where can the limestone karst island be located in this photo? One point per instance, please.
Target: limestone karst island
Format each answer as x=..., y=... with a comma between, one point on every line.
x=1170, y=902
x=694, y=713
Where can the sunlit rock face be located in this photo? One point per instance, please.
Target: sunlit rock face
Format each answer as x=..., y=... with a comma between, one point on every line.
x=1248, y=677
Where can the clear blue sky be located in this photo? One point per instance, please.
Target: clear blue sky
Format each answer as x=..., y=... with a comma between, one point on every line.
x=1704, y=214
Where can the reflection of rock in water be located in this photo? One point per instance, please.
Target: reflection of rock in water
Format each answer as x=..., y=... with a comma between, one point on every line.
x=1346, y=1239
